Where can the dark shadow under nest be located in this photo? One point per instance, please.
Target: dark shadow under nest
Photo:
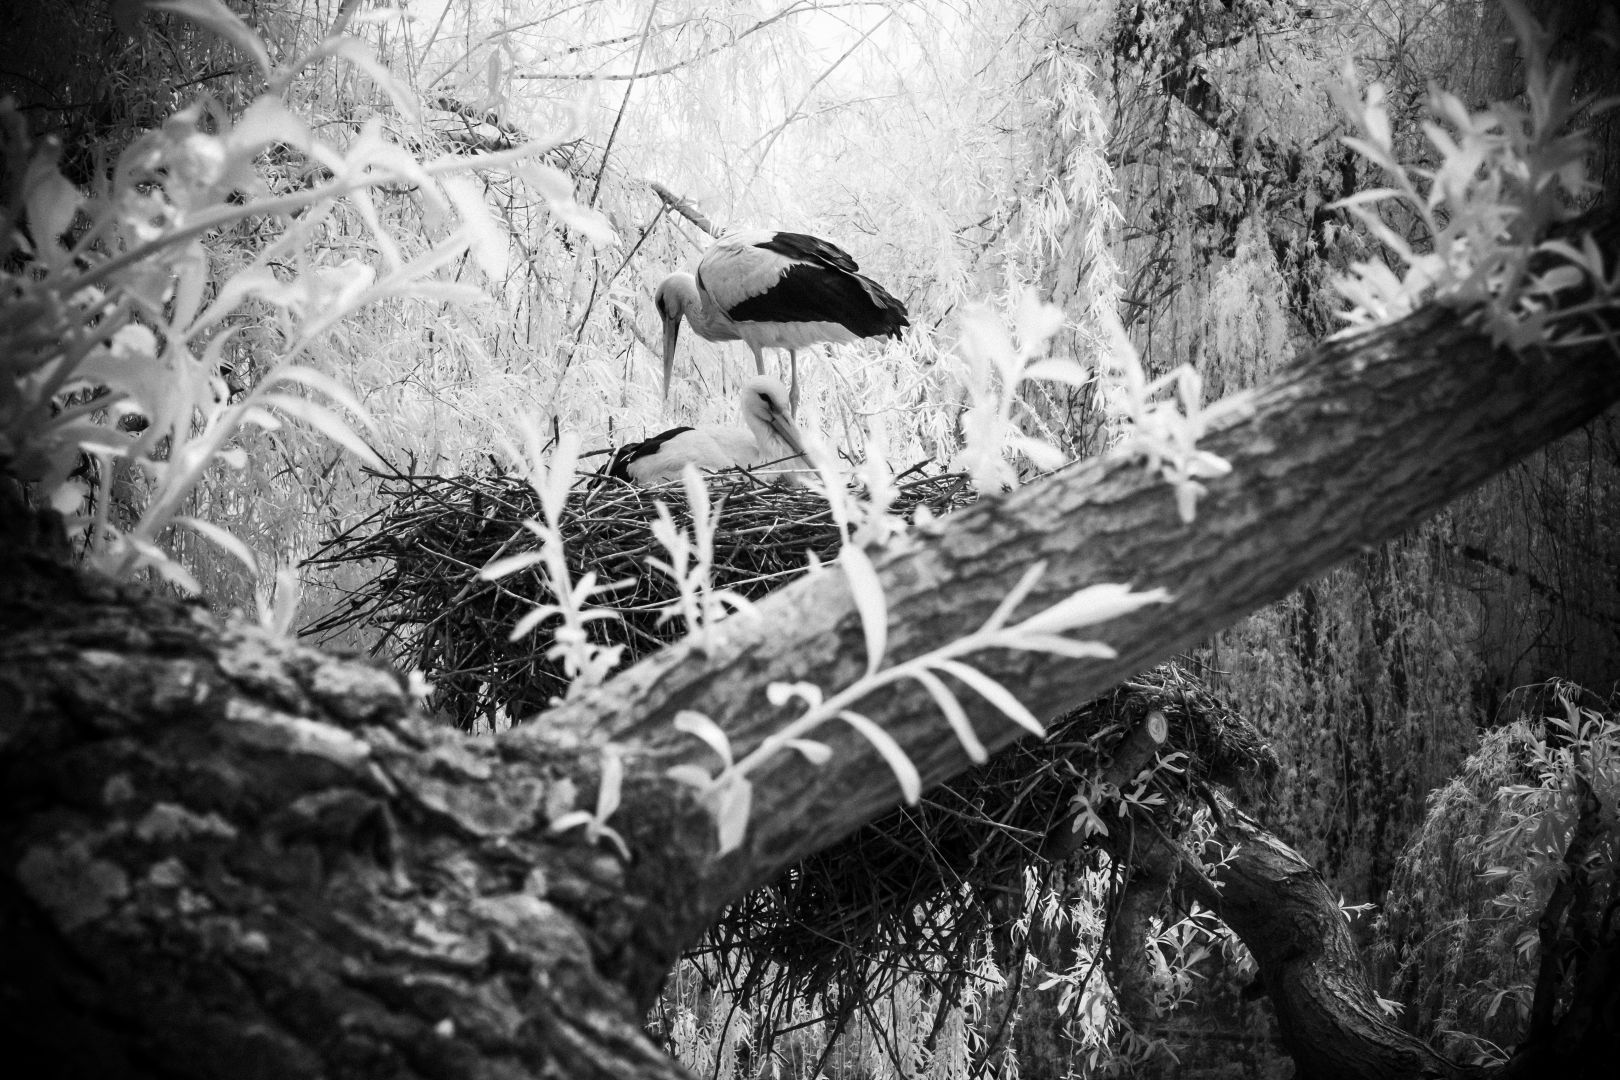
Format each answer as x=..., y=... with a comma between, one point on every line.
x=920, y=891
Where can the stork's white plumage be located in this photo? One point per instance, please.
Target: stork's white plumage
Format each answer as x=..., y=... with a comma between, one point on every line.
x=770, y=437
x=776, y=290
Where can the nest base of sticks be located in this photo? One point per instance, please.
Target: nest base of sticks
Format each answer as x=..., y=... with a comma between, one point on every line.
x=432, y=534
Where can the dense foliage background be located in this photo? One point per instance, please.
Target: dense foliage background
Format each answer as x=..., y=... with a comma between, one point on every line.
x=1175, y=163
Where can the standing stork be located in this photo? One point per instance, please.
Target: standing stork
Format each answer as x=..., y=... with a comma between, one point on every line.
x=776, y=290
x=770, y=437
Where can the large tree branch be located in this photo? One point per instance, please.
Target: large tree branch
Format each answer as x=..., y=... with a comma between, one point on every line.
x=1353, y=444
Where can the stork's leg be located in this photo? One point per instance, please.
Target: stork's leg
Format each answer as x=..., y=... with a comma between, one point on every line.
x=759, y=358
x=793, y=383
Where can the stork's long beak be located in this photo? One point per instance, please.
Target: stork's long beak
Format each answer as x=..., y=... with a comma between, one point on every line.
x=784, y=429
x=672, y=334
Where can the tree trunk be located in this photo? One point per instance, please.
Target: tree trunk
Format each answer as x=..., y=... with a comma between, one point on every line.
x=228, y=855
x=1280, y=907
x=231, y=856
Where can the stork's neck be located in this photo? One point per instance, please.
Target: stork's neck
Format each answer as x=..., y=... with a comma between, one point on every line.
x=772, y=447
x=764, y=438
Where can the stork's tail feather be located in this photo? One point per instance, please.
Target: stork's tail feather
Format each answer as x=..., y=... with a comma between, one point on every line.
x=893, y=313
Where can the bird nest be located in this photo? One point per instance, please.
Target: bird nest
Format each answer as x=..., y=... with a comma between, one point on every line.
x=432, y=535
x=920, y=890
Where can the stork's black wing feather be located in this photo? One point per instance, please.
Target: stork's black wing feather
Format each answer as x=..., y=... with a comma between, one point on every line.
x=811, y=249
x=624, y=456
x=815, y=294
x=891, y=314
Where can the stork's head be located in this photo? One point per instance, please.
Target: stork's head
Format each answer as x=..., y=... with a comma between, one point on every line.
x=675, y=295
x=765, y=411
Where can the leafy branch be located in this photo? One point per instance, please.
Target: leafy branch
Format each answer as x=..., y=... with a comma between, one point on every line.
x=113, y=311
x=1162, y=432
x=585, y=662
x=728, y=793
x=1506, y=176
x=997, y=362
x=690, y=566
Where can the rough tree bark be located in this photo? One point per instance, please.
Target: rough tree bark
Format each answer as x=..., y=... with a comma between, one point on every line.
x=225, y=855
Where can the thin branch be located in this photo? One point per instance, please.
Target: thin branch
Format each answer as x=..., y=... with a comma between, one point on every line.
x=607, y=148
x=677, y=65
x=684, y=207
x=765, y=152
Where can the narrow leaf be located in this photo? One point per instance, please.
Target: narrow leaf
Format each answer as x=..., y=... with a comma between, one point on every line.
x=1059, y=646
x=1055, y=369
x=689, y=774
x=995, y=694
x=215, y=16
x=226, y=540
x=485, y=241
x=261, y=418
x=732, y=800
x=532, y=619
x=155, y=557
x=607, y=795
x=326, y=422
x=325, y=384
x=1042, y=454
x=695, y=723
x=573, y=819
x=1369, y=195
x=1089, y=606
x=496, y=569
x=867, y=592
x=1010, y=602
x=816, y=753
x=955, y=715
x=358, y=54
x=904, y=771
